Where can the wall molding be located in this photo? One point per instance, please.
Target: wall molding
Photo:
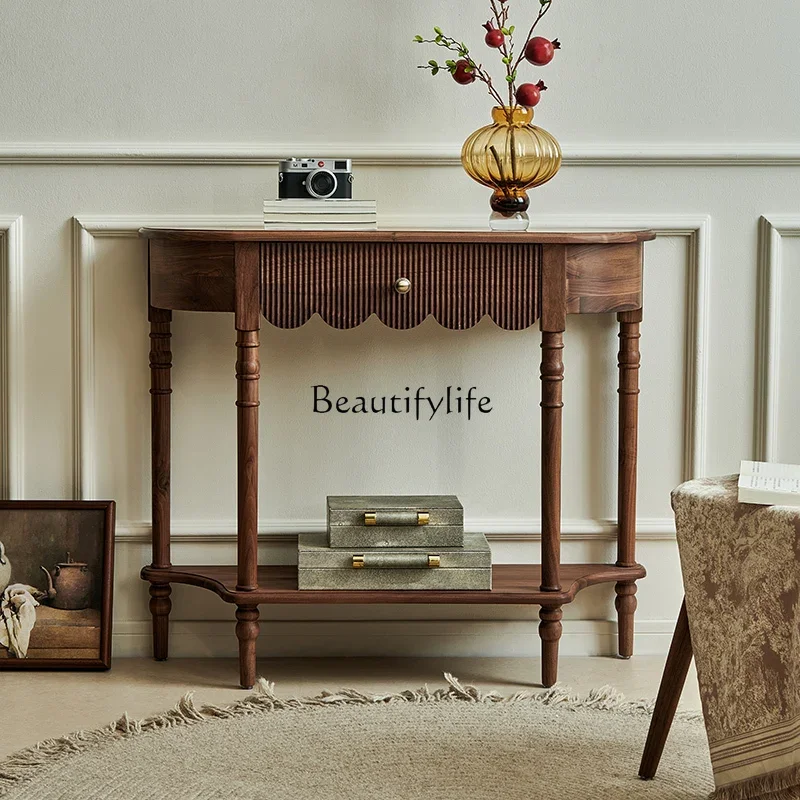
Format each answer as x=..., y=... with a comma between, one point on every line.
x=11, y=421
x=694, y=228
x=616, y=154
x=772, y=231
x=394, y=637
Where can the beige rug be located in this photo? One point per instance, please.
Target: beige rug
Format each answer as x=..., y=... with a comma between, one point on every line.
x=452, y=743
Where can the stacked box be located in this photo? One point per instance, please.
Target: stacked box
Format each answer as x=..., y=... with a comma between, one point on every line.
x=394, y=543
x=391, y=521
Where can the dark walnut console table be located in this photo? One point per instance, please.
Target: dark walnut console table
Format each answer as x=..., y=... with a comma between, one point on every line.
x=402, y=277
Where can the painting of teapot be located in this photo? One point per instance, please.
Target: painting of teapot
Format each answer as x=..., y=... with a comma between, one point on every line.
x=69, y=587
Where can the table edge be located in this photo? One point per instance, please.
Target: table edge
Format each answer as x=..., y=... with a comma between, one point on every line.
x=409, y=236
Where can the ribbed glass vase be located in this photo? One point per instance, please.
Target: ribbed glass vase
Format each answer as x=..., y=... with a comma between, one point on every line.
x=511, y=156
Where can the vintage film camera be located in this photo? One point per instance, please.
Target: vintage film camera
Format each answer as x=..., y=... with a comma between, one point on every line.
x=316, y=179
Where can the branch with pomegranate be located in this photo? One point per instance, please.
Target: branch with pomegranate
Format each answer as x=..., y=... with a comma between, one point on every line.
x=499, y=36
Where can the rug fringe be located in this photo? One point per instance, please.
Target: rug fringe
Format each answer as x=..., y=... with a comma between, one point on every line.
x=24, y=765
x=781, y=785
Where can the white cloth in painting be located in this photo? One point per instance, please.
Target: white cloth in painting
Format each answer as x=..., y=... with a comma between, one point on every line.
x=18, y=616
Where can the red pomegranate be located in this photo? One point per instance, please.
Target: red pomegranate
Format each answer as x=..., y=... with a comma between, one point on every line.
x=540, y=51
x=494, y=36
x=460, y=73
x=529, y=94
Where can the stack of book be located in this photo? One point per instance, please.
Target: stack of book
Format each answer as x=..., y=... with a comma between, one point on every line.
x=321, y=215
x=390, y=542
x=769, y=484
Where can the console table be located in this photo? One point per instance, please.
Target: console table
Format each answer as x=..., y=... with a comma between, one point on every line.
x=402, y=277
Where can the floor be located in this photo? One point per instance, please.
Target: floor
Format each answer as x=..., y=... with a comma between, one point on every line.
x=41, y=705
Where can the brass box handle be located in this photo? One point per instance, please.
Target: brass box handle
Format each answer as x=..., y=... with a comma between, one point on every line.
x=396, y=561
x=397, y=518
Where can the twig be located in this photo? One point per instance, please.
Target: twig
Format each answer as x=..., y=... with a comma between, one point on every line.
x=542, y=11
x=501, y=18
x=459, y=47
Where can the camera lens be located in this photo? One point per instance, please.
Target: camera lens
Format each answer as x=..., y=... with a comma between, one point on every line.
x=321, y=184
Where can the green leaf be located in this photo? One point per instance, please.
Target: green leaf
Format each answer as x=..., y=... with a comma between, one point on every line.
x=505, y=31
x=511, y=30
x=435, y=71
x=418, y=38
x=510, y=78
x=439, y=30
x=433, y=63
x=450, y=62
x=507, y=60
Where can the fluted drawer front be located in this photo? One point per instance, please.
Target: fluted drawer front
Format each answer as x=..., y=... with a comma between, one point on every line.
x=456, y=283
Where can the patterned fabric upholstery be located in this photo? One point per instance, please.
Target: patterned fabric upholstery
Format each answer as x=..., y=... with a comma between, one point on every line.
x=741, y=571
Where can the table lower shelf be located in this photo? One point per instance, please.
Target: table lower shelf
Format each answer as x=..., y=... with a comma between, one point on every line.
x=513, y=584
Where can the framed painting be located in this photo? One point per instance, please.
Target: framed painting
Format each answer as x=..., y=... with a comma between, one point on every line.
x=56, y=583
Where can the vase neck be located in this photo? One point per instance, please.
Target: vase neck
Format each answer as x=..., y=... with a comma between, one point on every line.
x=512, y=115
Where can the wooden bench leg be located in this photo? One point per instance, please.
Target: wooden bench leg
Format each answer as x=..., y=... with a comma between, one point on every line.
x=669, y=693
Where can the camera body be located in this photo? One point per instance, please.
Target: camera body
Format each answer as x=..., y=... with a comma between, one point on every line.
x=315, y=179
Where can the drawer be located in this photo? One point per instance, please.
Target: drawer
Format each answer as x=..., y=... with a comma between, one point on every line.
x=346, y=282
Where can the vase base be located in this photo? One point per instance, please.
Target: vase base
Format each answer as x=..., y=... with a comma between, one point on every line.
x=514, y=222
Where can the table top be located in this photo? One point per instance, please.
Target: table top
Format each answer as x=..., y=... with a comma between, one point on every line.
x=502, y=237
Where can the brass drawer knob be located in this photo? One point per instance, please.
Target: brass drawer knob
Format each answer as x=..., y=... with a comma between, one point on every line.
x=402, y=286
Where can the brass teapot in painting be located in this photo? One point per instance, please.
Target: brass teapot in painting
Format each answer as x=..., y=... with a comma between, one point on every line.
x=70, y=585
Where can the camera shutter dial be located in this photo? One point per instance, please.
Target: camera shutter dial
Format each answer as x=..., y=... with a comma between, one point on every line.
x=321, y=183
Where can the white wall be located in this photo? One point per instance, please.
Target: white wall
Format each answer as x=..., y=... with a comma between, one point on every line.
x=681, y=117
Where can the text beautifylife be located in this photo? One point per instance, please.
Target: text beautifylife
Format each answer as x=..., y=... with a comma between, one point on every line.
x=421, y=405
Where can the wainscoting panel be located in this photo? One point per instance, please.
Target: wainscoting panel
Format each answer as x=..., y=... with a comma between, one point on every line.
x=11, y=422
x=778, y=368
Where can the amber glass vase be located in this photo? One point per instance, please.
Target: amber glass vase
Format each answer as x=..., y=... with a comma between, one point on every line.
x=511, y=156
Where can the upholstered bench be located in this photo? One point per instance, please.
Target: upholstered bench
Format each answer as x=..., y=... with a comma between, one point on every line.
x=741, y=621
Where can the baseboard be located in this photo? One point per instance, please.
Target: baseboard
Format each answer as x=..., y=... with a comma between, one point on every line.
x=418, y=638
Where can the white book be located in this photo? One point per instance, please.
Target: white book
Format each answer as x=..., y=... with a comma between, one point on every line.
x=320, y=226
x=333, y=218
x=320, y=206
x=769, y=484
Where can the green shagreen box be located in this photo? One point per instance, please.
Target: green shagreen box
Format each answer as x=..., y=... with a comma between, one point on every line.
x=323, y=567
x=395, y=521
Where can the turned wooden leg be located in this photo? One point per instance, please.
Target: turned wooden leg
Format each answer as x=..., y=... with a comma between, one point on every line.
x=247, y=374
x=550, y=633
x=629, y=361
x=552, y=382
x=160, y=391
x=248, y=318
x=552, y=323
x=625, y=604
x=247, y=633
x=669, y=693
x=160, y=606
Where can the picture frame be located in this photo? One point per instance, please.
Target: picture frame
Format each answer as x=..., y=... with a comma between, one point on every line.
x=56, y=584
